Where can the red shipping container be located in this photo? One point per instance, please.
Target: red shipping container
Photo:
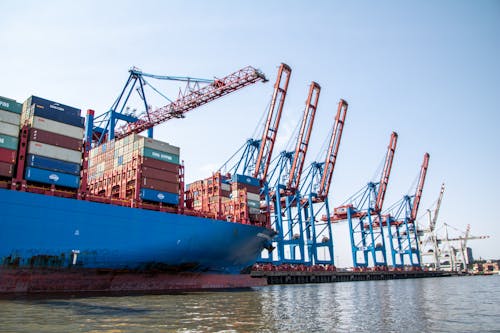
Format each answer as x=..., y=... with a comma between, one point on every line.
x=6, y=169
x=250, y=188
x=7, y=155
x=159, y=185
x=161, y=165
x=55, y=139
x=170, y=177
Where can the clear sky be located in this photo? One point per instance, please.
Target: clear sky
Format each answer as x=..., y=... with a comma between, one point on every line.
x=426, y=69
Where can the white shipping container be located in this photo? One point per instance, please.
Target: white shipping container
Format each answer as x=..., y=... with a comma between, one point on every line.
x=59, y=153
x=225, y=187
x=9, y=129
x=56, y=127
x=10, y=117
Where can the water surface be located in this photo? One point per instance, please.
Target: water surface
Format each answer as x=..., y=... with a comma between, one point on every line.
x=451, y=304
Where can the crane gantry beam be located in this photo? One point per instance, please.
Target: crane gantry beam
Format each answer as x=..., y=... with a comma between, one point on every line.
x=420, y=187
x=304, y=136
x=272, y=123
x=384, y=180
x=332, y=152
x=192, y=99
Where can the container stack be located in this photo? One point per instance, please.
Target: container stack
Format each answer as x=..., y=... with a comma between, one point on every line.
x=135, y=167
x=211, y=195
x=54, y=152
x=10, y=114
x=235, y=199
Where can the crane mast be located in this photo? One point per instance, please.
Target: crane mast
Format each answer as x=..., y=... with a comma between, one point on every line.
x=420, y=187
x=384, y=180
x=303, y=139
x=432, y=225
x=192, y=99
x=332, y=152
x=272, y=123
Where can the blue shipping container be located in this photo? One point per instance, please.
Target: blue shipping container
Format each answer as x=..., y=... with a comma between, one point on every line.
x=50, y=105
x=42, y=162
x=246, y=180
x=157, y=196
x=52, y=177
x=59, y=116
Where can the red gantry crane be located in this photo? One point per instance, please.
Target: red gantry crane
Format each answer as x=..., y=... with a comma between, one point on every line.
x=197, y=93
x=363, y=212
x=315, y=189
x=400, y=220
x=284, y=192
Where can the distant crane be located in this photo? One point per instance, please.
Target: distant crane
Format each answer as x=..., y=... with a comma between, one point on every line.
x=315, y=190
x=366, y=233
x=284, y=190
x=463, y=260
x=431, y=232
x=104, y=127
x=403, y=235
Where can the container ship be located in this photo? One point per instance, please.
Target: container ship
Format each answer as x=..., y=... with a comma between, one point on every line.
x=117, y=216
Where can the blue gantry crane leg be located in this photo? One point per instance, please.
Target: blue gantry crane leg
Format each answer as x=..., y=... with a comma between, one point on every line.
x=400, y=220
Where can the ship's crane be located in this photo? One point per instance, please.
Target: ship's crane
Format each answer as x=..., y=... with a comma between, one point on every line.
x=400, y=220
x=363, y=213
x=196, y=93
x=285, y=194
x=315, y=189
x=256, y=155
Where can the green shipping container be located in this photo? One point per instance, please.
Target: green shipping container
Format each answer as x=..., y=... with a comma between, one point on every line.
x=8, y=142
x=11, y=105
x=160, y=155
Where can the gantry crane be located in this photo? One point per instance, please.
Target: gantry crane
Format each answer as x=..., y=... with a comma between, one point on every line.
x=431, y=231
x=363, y=213
x=118, y=123
x=284, y=189
x=315, y=190
x=256, y=156
x=463, y=261
x=400, y=221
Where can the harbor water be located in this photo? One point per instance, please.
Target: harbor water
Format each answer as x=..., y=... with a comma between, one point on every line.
x=449, y=304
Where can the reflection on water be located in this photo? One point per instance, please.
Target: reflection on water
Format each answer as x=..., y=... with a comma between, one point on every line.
x=465, y=304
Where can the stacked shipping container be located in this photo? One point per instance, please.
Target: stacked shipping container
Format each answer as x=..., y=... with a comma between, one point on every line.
x=10, y=112
x=136, y=168
x=55, y=141
x=235, y=198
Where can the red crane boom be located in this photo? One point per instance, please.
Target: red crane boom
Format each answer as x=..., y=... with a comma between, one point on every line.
x=420, y=187
x=272, y=123
x=304, y=135
x=193, y=99
x=384, y=180
x=333, y=148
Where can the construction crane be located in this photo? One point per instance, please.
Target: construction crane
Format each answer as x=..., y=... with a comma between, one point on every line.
x=400, y=221
x=196, y=93
x=256, y=156
x=284, y=190
x=366, y=233
x=315, y=189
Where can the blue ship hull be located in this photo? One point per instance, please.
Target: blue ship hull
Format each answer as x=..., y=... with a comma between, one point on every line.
x=46, y=232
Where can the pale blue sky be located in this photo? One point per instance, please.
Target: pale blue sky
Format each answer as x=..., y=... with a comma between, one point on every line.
x=426, y=69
